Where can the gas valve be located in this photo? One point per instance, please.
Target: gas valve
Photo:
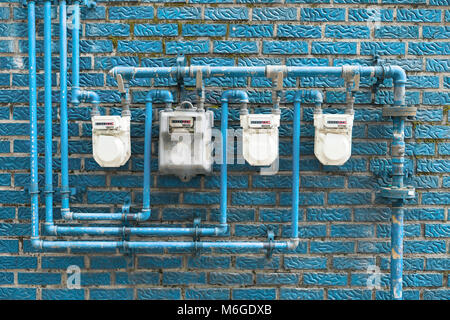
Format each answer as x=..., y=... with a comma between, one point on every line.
x=111, y=140
x=333, y=138
x=260, y=138
x=185, y=141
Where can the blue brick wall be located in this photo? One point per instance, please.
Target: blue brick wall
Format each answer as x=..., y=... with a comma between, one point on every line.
x=344, y=225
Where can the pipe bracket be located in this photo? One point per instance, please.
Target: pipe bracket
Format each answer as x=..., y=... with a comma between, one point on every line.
x=196, y=236
x=270, y=239
x=394, y=193
x=403, y=111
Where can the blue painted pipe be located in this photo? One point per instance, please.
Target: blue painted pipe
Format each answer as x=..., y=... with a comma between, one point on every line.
x=394, y=72
x=149, y=245
x=227, y=96
x=318, y=99
x=65, y=191
x=79, y=95
x=34, y=185
x=397, y=212
x=75, y=52
x=48, y=112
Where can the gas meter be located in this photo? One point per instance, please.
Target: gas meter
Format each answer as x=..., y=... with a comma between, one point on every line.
x=111, y=140
x=185, y=144
x=260, y=138
x=333, y=138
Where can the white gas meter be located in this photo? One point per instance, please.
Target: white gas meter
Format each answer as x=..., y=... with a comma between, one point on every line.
x=111, y=140
x=185, y=144
x=260, y=138
x=333, y=138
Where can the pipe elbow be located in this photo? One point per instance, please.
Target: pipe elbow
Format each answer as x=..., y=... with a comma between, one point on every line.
x=67, y=215
x=143, y=216
x=75, y=96
x=398, y=74
x=222, y=230
x=292, y=244
x=317, y=96
x=236, y=95
x=36, y=243
x=93, y=97
x=159, y=95
x=50, y=229
x=314, y=95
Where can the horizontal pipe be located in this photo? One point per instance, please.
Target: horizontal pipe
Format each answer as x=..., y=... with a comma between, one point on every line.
x=260, y=71
x=276, y=245
x=134, y=231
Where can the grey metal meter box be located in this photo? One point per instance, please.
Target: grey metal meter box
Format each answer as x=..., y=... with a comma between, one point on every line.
x=185, y=142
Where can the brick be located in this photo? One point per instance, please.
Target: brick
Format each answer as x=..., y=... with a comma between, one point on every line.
x=226, y=13
x=17, y=293
x=187, y=47
x=298, y=31
x=63, y=294
x=183, y=278
x=352, y=231
x=418, y=15
x=274, y=14
x=107, y=294
x=251, y=31
x=107, y=29
x=253, y=294
x=139, y=46
x=39, y=278
x=333, y=48
x=397, y=32
x=277, y=278
x=371, y=15
x=429, y=48
x=158, y=294
x=285, y=47
x=322, y=14
x=305, y=263
x=347, y=32
x=225, y=278
x=324, y=279
x=349, y=294
x=204, y=30
x=155, y=30
x=207, y=294
x=184, y=13
x=235, y=46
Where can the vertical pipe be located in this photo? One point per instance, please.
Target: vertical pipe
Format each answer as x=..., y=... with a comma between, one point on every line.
x=147, y=157
x=398, y=160
x=397, y=209
x=397, y=250
x=75, y=50
x=48, y=112
x=223, y=166
x=296, y=169
x=63, y=108
x=34, y=187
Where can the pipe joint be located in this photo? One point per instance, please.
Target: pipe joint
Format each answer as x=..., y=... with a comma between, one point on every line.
x=222, y=229
x=273, y=71
x=36, y=243
x=292, y=244
x=144, y=215
x=67, y=214
x=397, y=73
x=234, y=95
x=51, y=229
x=159, y=95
